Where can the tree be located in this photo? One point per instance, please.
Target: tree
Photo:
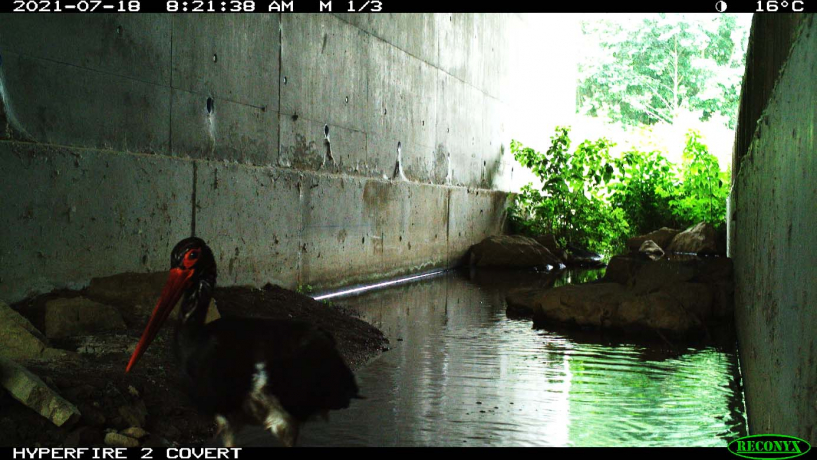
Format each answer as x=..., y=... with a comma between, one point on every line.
x=649, y=69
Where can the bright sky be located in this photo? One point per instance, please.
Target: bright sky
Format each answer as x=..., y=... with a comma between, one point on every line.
x=543, y=95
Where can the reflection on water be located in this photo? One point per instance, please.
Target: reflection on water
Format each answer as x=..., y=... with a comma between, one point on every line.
x=578, y=276
x=460, y=373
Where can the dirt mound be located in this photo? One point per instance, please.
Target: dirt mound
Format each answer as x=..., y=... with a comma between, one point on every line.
x=150, y=396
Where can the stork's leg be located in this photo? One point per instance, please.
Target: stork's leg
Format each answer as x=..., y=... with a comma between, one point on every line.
x=267, y=409
x=226, y=431
x=280, y=422
x=287, y=432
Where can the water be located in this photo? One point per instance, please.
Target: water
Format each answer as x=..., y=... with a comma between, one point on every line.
x=461, y=373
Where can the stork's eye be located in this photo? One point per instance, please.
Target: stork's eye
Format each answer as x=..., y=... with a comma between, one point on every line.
x=193, y=255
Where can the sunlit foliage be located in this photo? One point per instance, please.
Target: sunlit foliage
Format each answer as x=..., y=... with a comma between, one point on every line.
x=595, y=201
x=649, y=69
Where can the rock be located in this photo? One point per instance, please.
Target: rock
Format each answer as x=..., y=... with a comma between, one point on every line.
x=549, y=241
x=650, y=250
x=700, y=238
x=718, y=274
x=651, y=276
x=679, y=297
x=33, y=393
x=128, y=289
x=621, y=269
x=656, y=310
x=137, y=294
x=714, y=270
x=521, y=303
x=80, y=316
x=590, y=305
x=511, y=251
x=118, y=440
x=583, y=305
x=134, y=432
x=134, y=414
x=662, y=237
x=19, y=339
x=8, y=314
x=577, y=256
x=678, y=309
x=694, y=298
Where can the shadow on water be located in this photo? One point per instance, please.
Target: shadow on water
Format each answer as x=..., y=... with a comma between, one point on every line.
x=461, y=373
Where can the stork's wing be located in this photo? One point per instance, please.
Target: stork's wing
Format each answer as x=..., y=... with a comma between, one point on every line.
x=301, y=366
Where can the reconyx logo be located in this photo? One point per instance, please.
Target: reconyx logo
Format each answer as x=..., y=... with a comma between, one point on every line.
x=769, y=446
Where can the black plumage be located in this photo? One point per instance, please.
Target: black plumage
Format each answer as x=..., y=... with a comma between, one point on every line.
x=275, y=373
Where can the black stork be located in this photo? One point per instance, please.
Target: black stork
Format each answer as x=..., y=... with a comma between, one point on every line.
x=274, y=373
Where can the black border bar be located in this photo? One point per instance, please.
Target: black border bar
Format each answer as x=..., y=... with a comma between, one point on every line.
x=405, y=6
x=259, y=453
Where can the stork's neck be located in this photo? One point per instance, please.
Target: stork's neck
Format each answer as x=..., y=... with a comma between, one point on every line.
x=193, y=314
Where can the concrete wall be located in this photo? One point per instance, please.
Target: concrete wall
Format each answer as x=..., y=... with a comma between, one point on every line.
x=121, y=134
x=772, y=228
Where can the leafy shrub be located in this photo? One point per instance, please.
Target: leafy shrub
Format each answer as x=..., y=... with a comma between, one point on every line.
x=572, y=203
x=702, y=188
x=592, y=200
x=637, y=190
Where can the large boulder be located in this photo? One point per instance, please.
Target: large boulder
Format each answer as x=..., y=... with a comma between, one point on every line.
x=678, y=309
x=621, y=269
x=35, y=394
x=654, y=276
x=583, y=305
x=549, y=241
x=701, y=238
x=717, y=274
x=65, y=317
x=128, y=288
x=511, y=251
x=643, y=275
x=136, y=294
x=678, y=297
x=662, y=237
x=19, y=339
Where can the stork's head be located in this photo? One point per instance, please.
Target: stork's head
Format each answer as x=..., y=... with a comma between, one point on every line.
x=193, y=255
x=191, y=264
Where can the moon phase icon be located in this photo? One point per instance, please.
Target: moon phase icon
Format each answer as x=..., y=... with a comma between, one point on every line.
x=720, y=6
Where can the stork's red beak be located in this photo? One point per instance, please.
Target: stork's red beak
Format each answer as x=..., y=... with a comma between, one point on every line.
x=177, y=282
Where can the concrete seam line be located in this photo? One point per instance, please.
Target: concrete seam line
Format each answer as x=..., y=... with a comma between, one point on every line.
x=241, y=165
